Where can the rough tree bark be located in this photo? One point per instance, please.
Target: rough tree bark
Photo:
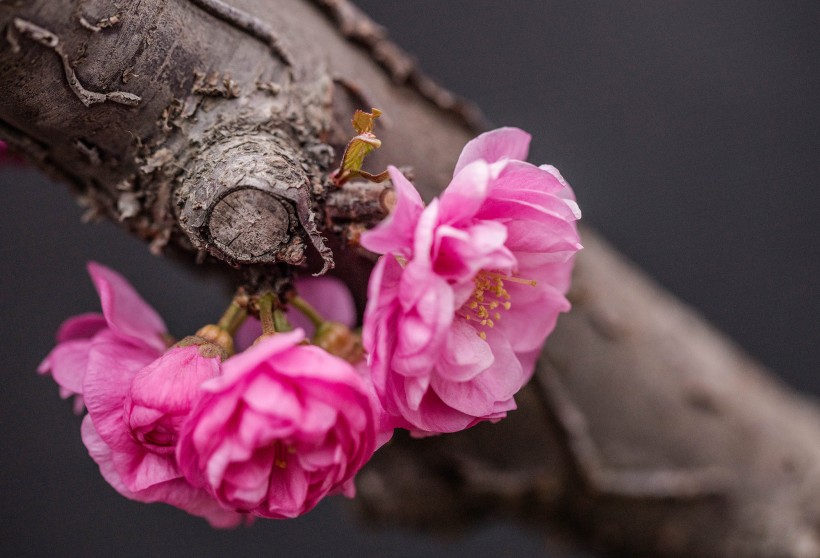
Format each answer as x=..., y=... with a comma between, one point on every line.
x=209, y=128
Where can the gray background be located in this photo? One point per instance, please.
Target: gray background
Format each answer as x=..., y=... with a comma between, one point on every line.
x=690, y=131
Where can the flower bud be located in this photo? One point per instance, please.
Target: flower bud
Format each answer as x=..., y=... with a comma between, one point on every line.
x=162, y=394
x=212, y=340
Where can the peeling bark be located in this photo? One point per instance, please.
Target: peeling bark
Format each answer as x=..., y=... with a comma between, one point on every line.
x=210, y=127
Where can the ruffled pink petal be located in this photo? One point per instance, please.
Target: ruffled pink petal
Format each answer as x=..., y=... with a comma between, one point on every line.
x=246, y=478
x=463, y=197
x=264, y=423
x=532, y=316
x=529, y=237
x=126, y=312
x=460, y=253
x=101, y=453
x=502, y=143
x=479, y=396
x=170, y=383
x=558, y=234
x=265, y=350
x=288, y=490
x=177, y=493
x=314, y=365
x=82, y=326
x=520, y=175
x=423, y=326
x=198, y=502
x=110, y=463
x=68, y=363
x=431, y=416
x=415, y=387
x=206, y=421
x=566, y=189
x=425, y=234
x=551, y=204
x=161, y=395
x=112, y=366
x=528, y=361
x=395, y=233
x=466, y=355
x=264, y=394
x=141, y=469
x=320, y=416
x=379, y=318
x=386, y=424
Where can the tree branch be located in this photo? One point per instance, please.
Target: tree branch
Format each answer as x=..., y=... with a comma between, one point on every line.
x=645, y=431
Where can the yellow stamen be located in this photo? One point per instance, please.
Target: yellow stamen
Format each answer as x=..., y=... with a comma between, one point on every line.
x=278, y=454
x=488, y=295
x=511, y=278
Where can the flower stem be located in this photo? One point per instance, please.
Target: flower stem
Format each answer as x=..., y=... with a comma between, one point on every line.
x=232, y=318
x=280, y=321
x=266, y=314
x=307, y=310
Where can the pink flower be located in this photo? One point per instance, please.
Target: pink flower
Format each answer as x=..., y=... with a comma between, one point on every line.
x=127, y=321
x=470, y=286
x=285, y=425
x=136, y=405
x=136, y=393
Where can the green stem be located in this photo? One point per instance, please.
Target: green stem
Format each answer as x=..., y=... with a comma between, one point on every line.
x=266, y=314
x=309, y=311
x=280, y=321
x=232, y=318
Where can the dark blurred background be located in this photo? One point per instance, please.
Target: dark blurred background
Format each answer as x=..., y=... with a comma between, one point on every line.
x=690, y=131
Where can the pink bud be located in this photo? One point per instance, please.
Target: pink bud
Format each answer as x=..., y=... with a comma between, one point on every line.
x=162, y=393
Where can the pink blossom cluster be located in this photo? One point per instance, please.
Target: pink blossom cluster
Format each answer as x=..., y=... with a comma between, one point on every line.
x=266, y=433
x=459, y=305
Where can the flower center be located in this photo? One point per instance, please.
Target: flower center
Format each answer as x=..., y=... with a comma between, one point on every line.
x=280, y=453
x=488, y=298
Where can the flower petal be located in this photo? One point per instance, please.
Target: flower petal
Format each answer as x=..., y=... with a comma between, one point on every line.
x=68, y=363
x=258, y=354
x=497, y=384
x=466, y=354
x=460, y=253
x=466, y=192
x=395, y=233
x=532, y=315
x=126, y=312
x=502, y=143
x=82, y=326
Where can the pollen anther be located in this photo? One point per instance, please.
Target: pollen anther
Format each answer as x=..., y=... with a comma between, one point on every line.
x=489, y=294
